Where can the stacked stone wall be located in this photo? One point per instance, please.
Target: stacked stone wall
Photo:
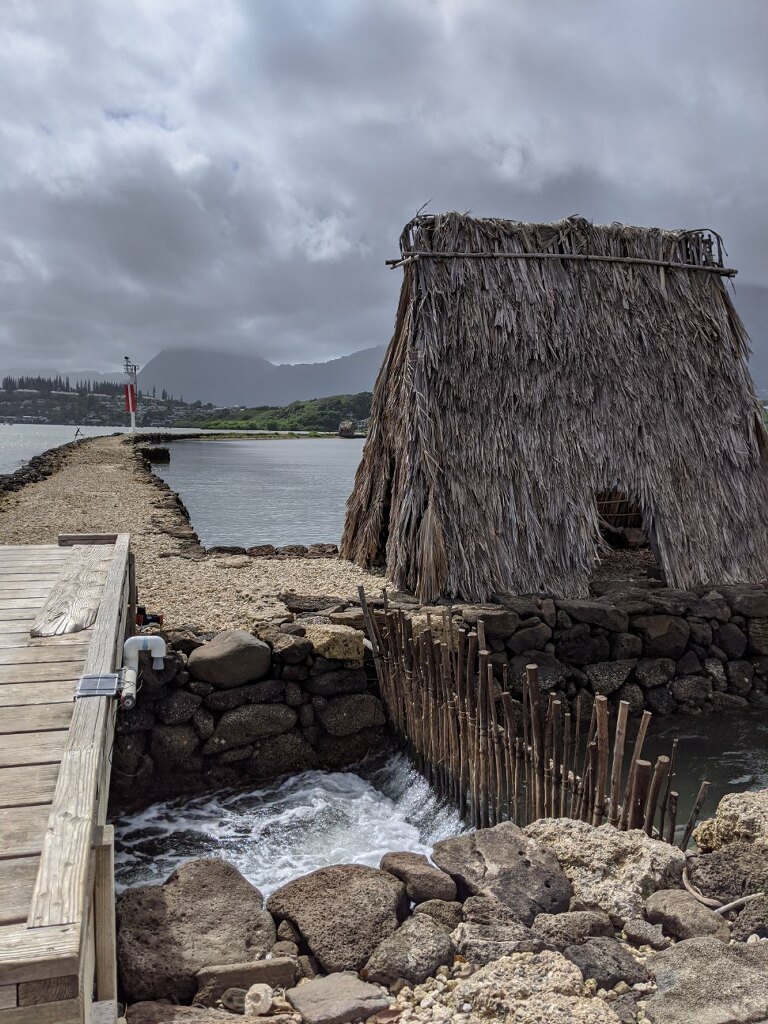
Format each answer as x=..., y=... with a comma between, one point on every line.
x=241, y=709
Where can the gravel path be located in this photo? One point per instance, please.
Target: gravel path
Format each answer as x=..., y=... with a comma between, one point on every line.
x=104, y=488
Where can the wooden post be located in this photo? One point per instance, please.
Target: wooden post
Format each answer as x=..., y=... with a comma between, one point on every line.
x=639, y=795
x=601, y=707
x=702, y=796
x=537, y=736
x=671, y=822
x=637, y=751
x=660, y=774
x=618, y=760
x=104, y=915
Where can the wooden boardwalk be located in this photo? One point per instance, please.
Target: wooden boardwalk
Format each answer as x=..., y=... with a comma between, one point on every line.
x=56, y=877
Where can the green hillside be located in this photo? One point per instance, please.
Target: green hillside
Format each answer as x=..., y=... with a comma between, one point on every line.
x=322, y=414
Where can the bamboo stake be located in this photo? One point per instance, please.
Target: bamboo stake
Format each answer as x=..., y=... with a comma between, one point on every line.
x=566, y=784
x=537, y=735
x=670, y=777
x=639, y=795
x=660, y=774
x=601, y=706
x=671, y=817
x=636, y=752
x=691, y=824
x=618, y=760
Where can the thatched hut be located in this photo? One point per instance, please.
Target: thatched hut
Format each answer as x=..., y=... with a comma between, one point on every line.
x=535, y=367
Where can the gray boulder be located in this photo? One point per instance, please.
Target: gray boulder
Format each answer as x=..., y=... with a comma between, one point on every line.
x=596, y=613
x=663, y=636
x=213, y=982
x=336, y=999
x=342, y=716
x=343, y=912
x=737, y=869
x=232, y=658
x=448, y=914
x=708, y=982
x=752, y=920
x=572, y=927
x=503, y=862
x=482, y=943
x=206, y=913
x=640, y=932
x=422, y=880
x=413, y=952
x=682, y=916
x=607, y=961
x=243, y=725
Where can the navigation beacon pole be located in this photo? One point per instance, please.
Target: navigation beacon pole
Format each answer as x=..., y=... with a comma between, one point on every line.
x=131, y=390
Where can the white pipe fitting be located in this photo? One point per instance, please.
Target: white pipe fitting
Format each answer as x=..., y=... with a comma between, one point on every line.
x=156, y=646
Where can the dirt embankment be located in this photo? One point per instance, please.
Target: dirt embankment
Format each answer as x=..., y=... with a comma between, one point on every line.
x=101, y=485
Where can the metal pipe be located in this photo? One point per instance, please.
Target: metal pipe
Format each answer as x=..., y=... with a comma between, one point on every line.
x=152, y=643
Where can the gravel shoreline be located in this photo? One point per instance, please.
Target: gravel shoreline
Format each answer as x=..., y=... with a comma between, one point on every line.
x=102, y=486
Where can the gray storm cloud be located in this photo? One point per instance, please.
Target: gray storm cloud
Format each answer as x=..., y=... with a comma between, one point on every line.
x=222, y=173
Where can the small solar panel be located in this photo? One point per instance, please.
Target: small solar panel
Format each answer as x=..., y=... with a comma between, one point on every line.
x=106, y=685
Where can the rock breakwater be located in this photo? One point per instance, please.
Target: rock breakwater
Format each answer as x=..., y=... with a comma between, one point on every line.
x=353, y=942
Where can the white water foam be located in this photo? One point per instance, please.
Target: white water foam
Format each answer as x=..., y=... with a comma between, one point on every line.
x=285, y=830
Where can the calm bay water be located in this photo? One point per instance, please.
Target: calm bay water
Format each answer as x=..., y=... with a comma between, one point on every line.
x=19, y=442
x=287, y=491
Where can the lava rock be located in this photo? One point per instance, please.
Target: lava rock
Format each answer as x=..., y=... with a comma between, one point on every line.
x=243, y=725
x=205, y=913
x=232, y=658
x=640, y=932
x=503, y=862
x=413, y=952
x=343, y=716
x=449, y=914
x=333, y=683
x=212, y=982
x=251, y=693
x=288, y=753
x=607, y=961
x=343, y=912
x=596, y=613
x=337, y=999
x=422, y=880
x=651, y=672
x=577, y=646
x=730, y=639
x=572, y=927
x=626, y=646
x=482, y=943
x=704, y=980
x=682, y=916
x=738, y=869
x=663, y=636
x=177, y=707
x=608, y=676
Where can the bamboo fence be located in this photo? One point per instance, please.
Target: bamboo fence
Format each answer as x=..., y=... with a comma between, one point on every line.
x=502, y=759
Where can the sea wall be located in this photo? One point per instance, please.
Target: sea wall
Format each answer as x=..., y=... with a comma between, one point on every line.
x=659, y=649
x=240, y=709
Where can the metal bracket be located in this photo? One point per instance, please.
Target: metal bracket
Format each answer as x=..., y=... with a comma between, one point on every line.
x=108, y=684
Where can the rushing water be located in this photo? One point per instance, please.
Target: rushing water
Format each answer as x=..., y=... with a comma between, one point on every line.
x=288, y=491
x=287, y=829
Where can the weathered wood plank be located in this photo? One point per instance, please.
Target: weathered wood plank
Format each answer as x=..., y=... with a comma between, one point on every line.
x=22, y=829
x=60, y=890
x=69, y=539
x=43, y=655
x=60, y=691
x=48, y=990
x=23, y=603
x=17, y=879
x=17, y=619
x=21, y=639
x=7, y=996
x=74, y=600
x=67, y=1011
x=104, y=916
x=32, y=748
x=35, y=718
x=44, y=673
x=16, y=588
x=30, y=953
x=31, y=784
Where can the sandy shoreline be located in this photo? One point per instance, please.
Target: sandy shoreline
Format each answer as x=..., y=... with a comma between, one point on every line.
x=102, y=486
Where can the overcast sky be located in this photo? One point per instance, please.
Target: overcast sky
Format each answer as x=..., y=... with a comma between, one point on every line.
x=233, y=173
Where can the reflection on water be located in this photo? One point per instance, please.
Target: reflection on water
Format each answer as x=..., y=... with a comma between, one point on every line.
x=287, y=829
x=289, y=491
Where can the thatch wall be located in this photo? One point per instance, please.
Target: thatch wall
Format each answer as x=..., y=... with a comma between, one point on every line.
x=514, y=390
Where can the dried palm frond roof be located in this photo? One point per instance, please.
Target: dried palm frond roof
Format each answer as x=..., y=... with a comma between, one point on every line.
x=534, y=366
